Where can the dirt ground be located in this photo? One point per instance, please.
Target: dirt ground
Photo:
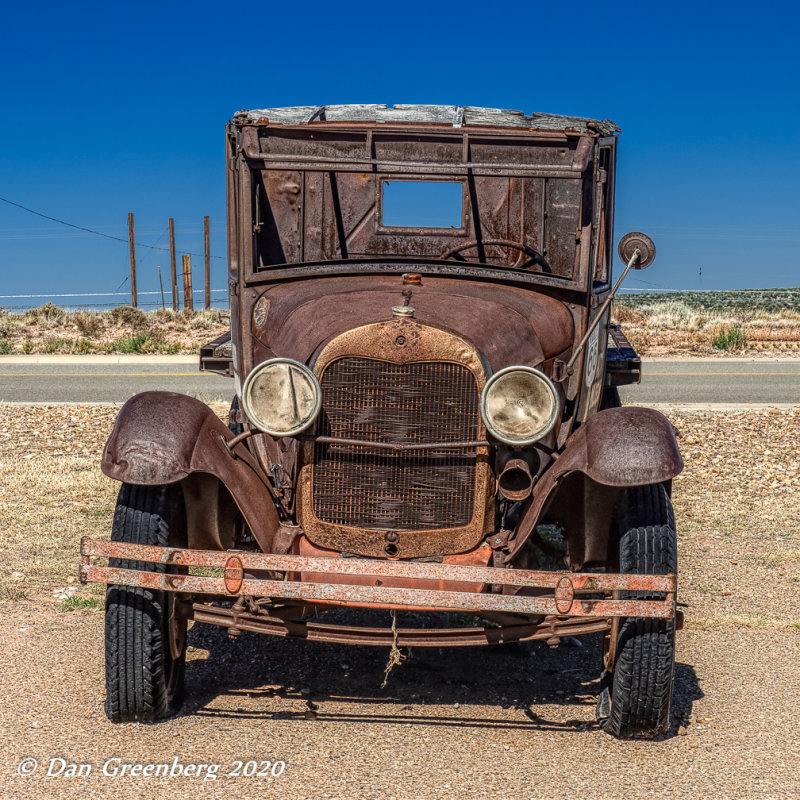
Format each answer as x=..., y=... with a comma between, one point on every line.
x=507, y=722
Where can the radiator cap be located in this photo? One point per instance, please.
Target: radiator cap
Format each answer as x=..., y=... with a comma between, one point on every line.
x=403, y=311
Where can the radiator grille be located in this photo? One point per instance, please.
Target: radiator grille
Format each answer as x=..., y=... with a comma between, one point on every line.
x=373, y=400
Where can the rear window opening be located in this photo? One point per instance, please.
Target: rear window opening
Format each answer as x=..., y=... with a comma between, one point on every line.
x=422, y=204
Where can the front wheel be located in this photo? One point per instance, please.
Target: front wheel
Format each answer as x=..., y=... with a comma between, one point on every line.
x=145, y=634
x=635, y=701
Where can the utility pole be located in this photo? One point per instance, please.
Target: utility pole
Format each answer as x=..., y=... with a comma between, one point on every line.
x=207, y=245
x=175, y=299
x=132, y=248
x=188, y=302
x=161, y=284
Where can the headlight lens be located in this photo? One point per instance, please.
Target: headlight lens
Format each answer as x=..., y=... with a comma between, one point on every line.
x=281, y=397
x=519, y=405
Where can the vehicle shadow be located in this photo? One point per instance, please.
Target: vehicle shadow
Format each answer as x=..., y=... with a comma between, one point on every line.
x=343, y=683
x=687, y=690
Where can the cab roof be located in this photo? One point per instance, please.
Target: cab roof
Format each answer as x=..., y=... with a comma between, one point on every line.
x=456, y=116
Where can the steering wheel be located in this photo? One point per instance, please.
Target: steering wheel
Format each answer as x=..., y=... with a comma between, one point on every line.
x=533, y=256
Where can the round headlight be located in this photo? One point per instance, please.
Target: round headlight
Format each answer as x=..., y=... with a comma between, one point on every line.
x=519, y=405
x=281, y=397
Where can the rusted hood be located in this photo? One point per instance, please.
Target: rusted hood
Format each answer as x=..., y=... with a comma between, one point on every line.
x=507, y=324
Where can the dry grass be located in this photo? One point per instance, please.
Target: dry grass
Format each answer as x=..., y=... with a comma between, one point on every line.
x=697, y=324
x=737, y=505
x=50, y=329
x=692, y=327
x=53, y=493
x=49, y=503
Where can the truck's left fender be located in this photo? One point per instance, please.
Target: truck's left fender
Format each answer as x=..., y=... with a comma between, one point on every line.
x=613, y=449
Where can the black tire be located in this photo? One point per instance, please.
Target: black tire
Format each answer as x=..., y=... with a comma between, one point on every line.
x=144, y=681
x=635, y=701
x=610, y=398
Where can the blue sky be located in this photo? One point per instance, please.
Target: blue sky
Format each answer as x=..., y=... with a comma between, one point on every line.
x=114, y=107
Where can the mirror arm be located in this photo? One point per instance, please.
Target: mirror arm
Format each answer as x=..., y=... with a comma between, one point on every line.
x=596, y=321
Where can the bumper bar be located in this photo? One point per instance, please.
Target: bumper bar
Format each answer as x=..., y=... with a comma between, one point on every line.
x=557, y=593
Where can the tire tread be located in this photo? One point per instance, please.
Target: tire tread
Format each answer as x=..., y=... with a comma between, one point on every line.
x=137, y=656
x=641, y=688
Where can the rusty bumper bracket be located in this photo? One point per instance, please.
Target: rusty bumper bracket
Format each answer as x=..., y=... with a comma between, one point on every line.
x=565, y=600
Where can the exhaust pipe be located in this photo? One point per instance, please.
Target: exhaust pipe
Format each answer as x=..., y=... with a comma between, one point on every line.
x=515, y=480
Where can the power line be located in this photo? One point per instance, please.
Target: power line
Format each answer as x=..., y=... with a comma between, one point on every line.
x=96, y=233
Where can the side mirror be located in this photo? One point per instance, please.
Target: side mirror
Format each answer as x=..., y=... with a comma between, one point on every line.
x=630, y=243
x=637, y=252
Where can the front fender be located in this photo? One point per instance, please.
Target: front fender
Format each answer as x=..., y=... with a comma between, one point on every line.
x=618, y=447
x=628, y=446
x=164, y=437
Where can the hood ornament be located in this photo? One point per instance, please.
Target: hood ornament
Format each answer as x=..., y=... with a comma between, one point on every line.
x=405, y=310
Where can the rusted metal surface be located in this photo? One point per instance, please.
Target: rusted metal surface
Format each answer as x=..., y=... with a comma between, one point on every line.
x=371, y=596
x=564, y=595
x=389, y=597
x=403, y=637
x=433, y=267
x=381, y=380
x=528, y=257
x=280, y=161
x=234, y=575
x=403, y=400
x=581, y=581
x=515, y=479
x=610, y=641
x=508, y=324
x=319, y=200
x=639, y=251
x=163, y=437
x=618, y=447
x=231, y=444
x=627, y=446
x=479, y=557
x=400, y=447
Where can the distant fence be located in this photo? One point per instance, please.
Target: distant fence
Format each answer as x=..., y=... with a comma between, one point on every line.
x=219, y=298
x=105, y=300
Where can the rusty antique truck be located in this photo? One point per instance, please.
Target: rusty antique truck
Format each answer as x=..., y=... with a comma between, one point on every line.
x=426, y=413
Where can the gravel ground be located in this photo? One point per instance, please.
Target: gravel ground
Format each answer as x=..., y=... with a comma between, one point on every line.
x=509, y=722
x=514, y=722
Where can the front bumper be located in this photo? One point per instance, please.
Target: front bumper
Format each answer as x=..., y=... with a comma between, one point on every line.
x=551, y=594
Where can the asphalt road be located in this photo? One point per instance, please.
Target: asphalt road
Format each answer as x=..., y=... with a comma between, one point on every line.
x=716, y=381
x=73, y=381
x=86, y=380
